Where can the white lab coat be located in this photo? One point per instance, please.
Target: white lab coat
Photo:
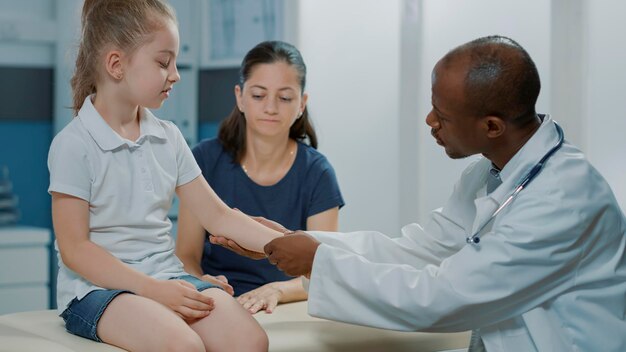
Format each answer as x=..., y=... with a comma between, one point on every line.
x=548, y=275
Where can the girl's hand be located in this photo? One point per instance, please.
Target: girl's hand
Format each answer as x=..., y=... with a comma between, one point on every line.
x=265, y=298
x=220, y=281
x=180, y=296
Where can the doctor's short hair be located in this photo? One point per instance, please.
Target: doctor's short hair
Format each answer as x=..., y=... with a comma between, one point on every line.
x=502, y=79
x=121, y=24
x=232, y=131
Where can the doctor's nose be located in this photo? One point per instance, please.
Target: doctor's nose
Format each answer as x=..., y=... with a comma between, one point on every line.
x=432, y=121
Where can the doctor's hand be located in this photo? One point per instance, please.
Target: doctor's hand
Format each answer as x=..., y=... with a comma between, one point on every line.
x=293, y=253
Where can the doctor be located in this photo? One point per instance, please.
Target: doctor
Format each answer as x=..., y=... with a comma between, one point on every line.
x=546, y=273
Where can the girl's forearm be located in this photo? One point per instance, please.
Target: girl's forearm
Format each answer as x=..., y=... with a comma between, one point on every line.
x=99, y=267
x=246, y=232
x=220, y=220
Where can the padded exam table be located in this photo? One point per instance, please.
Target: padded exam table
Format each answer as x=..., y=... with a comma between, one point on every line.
x=289, y=328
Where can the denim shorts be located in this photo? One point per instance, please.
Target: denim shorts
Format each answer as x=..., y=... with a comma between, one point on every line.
x=82, y=315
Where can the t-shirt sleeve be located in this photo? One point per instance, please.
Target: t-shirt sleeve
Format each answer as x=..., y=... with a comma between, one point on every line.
x=188, y=169
x=326, y=193
x=71, y=172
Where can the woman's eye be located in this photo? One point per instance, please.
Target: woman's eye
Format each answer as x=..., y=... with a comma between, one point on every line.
x=256, y=96
x=164, y=64
x=286, y=99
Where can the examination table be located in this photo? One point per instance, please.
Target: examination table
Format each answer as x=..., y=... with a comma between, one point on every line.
x=289, y=328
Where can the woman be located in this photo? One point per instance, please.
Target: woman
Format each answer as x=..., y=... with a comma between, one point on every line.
x=261, y=165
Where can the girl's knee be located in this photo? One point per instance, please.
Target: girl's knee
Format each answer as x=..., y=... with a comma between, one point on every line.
x=258, y=340
x=186, y=340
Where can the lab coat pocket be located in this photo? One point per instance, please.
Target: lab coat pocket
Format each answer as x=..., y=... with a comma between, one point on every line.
x=515, y=333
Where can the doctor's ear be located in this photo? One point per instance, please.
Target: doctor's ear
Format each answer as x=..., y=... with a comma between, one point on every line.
x=113, y=64
x=495, y=126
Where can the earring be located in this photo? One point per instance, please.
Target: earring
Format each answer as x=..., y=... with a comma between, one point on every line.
x=119, y=76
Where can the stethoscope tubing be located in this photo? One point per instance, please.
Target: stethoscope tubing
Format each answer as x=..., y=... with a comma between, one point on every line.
x=475, y=238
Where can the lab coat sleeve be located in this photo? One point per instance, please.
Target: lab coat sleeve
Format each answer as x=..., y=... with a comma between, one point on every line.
x=414, y=247
x=529, y=257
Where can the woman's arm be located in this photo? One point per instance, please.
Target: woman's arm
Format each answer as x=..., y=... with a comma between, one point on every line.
x=327, y=220
x=217, y=218
x=268, y=296
x=70, y=217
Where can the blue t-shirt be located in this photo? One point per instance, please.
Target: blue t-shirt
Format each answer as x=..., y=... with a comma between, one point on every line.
x=309, y=187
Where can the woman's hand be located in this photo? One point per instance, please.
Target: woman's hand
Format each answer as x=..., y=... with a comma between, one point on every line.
x=233, y=246
x=220, y=281
x=265, y=298
x=180, y=296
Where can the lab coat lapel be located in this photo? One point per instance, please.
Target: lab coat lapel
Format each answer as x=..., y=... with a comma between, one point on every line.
x=485, y=207
x=514, y=172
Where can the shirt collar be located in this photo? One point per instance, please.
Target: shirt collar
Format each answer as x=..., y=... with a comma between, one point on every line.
x=106, y=138
x=533, y=150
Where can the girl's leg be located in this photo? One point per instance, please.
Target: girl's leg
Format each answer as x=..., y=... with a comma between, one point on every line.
x=137, y=323
x=230, y=327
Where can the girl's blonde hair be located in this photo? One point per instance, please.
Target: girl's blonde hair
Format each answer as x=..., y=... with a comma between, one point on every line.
x=123, y=24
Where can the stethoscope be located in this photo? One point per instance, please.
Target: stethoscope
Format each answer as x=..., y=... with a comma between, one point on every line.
x=475, y=238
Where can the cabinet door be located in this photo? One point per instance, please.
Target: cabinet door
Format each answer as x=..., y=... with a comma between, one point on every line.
x=23, y=265
x=186, y=11
x=15, y=299
x=232, y=27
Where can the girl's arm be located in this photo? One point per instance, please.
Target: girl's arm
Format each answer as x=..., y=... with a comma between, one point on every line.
x=70, y=217
x=220, y=220
x=190, y=241
x=269, y=295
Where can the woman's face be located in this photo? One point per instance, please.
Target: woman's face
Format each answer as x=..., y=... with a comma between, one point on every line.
x=271, y=99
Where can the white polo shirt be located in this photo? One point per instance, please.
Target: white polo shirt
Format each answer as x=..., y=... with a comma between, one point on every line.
x=129, y=187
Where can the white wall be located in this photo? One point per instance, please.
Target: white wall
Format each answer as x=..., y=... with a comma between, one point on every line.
x=604, y=100
x=369, y=84
x=447, y=24
x=351, y=48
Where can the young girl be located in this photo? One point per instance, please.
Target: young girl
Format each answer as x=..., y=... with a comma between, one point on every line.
x=261, y=164
x=113, y=173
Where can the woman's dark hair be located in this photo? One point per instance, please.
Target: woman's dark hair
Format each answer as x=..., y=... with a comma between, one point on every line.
x=232, y=131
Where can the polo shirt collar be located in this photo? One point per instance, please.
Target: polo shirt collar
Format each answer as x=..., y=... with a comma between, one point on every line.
x=106, y=138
